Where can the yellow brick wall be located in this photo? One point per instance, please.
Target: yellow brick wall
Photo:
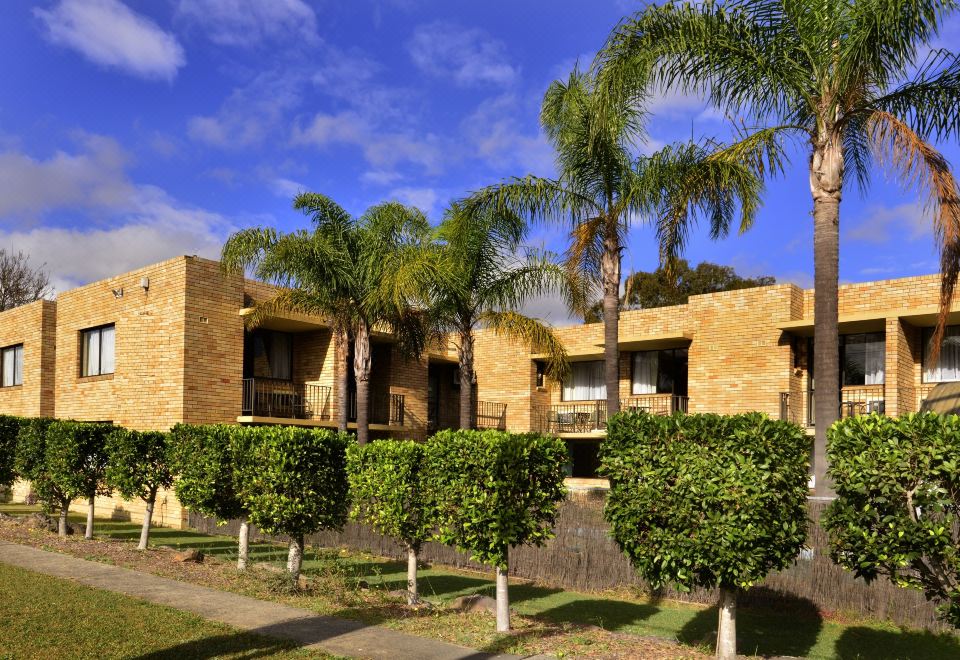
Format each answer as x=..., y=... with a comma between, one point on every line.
x=34, y=326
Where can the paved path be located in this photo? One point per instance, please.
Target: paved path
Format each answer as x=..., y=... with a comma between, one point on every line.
x=327, y=633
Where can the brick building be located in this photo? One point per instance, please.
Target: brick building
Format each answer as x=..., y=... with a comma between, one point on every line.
x=167, y=344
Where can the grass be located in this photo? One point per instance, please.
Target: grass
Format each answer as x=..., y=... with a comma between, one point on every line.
x=554, y=620
x=64, y=619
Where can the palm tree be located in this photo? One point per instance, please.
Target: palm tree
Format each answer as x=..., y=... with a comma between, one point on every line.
x=483, y=283
x=602, y=187
x=338, y=271
x=845, y=76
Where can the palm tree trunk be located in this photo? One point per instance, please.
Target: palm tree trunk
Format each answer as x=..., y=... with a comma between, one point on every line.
x=466, y=379
x=341, y=339
x=361, y=368
x=610, y=268
x=826, y=181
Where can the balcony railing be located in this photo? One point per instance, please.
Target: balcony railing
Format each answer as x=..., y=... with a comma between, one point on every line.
x=591, y=416
x=384, y=409
x=855, y=400
x=490, y=415
x=267, y=397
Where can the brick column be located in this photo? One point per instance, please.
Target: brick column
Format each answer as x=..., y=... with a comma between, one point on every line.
x=899, y=367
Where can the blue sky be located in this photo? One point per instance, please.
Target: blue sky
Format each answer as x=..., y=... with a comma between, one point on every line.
x=134, y=131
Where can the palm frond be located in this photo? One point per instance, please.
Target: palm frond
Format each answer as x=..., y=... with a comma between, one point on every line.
x=539, y=336
x=922, y=168
x=245, y=249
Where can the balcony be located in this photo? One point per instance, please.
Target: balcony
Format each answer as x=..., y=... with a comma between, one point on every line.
x=855, y=400
x=590, y=417
x=490, y=415
x=267, y=397
x=385, y=409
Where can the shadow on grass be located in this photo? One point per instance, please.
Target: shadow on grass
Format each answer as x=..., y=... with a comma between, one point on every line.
x=861, y=643
x=607, y=614
x=791, y=628
x=243, y=645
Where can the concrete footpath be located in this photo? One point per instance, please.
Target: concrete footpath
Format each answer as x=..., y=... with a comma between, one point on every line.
x=326, y=633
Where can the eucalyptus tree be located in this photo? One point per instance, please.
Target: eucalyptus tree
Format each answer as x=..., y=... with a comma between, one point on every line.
x=338, y=271
x=602, y=187
x=484, y=282
x=854, y=80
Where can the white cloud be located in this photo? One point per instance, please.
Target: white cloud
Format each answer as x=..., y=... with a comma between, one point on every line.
x=467, y=56
x=498, y=139
x=109, y=33
x=424, y=199
x=880, y=224
x=250, y=22
x=381, y=177
x=382, y=149
x=117, y=225
x=288, y=188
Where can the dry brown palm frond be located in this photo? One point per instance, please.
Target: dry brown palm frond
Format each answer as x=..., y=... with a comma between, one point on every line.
x=924, y=169
x=583, y=256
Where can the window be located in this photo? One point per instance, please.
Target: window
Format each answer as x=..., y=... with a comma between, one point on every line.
x=947, y=367
x=861, y=358
x=540, y=373
x=97, y=354
x=269, y=354
x=660, y=372
x=11, y=366
x=586, y=382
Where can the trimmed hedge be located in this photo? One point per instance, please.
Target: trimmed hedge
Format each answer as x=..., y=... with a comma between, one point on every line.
x=898, y=498
x=207, y=461
x=706, y=500
x=9, y=430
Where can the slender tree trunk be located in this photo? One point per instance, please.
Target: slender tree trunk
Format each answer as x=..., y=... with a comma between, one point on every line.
x=610, y=268
x=466, y=379
x=91, y=509
x=342, y=339
x=826, y=181
x=361, y=368
x=413, y=594
x=503, y=600
x=62, y=523
x=727, y=625
x=243, y=549
x=147, y=517
x=295, y=559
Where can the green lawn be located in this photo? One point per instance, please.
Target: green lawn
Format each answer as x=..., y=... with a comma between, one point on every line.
x=795, y=631
x=46, y=617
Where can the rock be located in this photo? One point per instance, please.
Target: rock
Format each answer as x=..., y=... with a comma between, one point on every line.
x=363, y=585
x=39, y=520
x=474, y=603
x=77, y=528
x=191, y=555
x=6, y=517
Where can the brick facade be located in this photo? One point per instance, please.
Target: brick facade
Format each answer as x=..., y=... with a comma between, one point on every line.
x=180, y=355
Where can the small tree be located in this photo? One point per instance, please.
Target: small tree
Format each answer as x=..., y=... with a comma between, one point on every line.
x=20, y=283
x=492, y=491
x=898, y=497
x=137, y=467
x=208, y=462
x=76, y=463
x=707, y=500
x=9, y=430
x=299, y=485
x=30, y=460
x=389, y=492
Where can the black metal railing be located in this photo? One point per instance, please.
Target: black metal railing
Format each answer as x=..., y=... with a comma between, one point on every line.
x=384, y=409
x=268, y=397
x=855, y=400
x=591, y=416
x=490, y=415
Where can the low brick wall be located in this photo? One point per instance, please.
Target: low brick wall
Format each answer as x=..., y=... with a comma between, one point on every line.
x=582, y=557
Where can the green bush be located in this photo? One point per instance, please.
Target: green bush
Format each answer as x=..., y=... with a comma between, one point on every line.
x=492, y=490
x=898, y=497
x=138, y=468
x=706, y=500
x=30, y=460
x=9, y=430
x=299, y=484
x=390, y=493
x=208, y=462
x=76, y=463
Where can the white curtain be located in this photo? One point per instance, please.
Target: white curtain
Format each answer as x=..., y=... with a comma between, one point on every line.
x=874, y=355
x=7, y=377
x=280, y=363
x=91, y=353
x=645, y=369
x=18, y=365
x=948, y=367
x=108, y=350
x=585, y=383
x=864, y=356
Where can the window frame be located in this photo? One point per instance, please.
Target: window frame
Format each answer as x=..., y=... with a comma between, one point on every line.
x=843, y=339
x=673, y=352
x=12, y=349
x=83, y=350
x=926, y=337
x=563, y=397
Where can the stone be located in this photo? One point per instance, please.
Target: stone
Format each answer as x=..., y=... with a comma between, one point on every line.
x=474, y=603
x=39, y=520
x=191, y=555
x=363, y=585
